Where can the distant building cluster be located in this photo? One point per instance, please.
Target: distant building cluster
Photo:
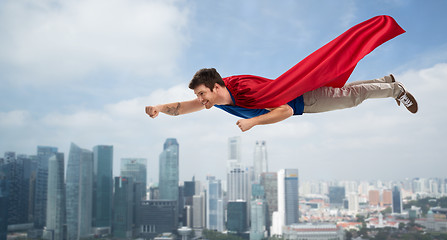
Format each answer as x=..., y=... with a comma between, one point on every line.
x=50, y=196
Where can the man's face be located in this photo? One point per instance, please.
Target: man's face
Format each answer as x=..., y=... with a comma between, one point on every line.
x=205, y=96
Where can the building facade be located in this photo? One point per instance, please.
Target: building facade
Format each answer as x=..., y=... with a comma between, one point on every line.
x=102, y=186
x=56, y=210
x=169, y=170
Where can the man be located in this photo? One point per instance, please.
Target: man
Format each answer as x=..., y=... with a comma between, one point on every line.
x=316, y=84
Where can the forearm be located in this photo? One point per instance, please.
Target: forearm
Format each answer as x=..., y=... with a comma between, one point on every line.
x=178, y=108
x=275, y=115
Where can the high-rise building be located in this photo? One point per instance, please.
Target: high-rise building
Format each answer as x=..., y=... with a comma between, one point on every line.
x=136, y=169
x=169, y=170
x=79, y=192
x=270, y=183
x=234, y=148
x=56, y=211
x=13, y=170
x=387, y=198
x=374, y=197
x=198, y=211
x=336, y=196
x=4, y=199
x=287, y=200
x=353, y=201
x=237, y=184
x=237, y=216
x=123, y=208
x=258, y=217
x=260, y=163
x=40, y=198
x=155, y=217
x=397, y=200
x=215, y=214
x=102, y=186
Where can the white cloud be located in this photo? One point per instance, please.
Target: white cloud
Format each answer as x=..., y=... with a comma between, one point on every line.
x=57, y=41
x=375, y=134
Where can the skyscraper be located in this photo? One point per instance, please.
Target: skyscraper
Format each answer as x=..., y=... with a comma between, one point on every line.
x=168, y=170
x=237, y=216
x=237, y=180
x=40, y=199
x=258, y=223
x=198, y=211
x=155, y=217
x=79, y=192
x=260, y=160
x=102, y=185
x=136, y=169
x=397, y=200
x=270, y=183
x=56, y=211
x=234, y=148
x=336, y=196
x=123, y=208
x=287, y=200
x=215, y=217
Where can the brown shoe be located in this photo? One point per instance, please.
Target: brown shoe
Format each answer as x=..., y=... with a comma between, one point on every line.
x=407, y=100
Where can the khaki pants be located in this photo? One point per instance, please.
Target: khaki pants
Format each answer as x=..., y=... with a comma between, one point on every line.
x=352, y=94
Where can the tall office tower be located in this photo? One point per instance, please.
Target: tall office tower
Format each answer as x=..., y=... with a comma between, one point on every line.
x=18, y=194
x=387, y=198
x=270, y=183
x=40, y=199
x=260, y=163
x=353, y=201
x=288, y=195
x=258, y=223
x=336, y=196
x=155, y=217
x=79, y=192
x=102, y=186
x=397, y=200
x=237, y=216
x=123, y=208
x=169, y=170
x=234, y=148
x=56, y=211
x=4, y=201
x=136, y=169
x=215, y=214
x=198, y=211
x=374, y=197
x=237, y=180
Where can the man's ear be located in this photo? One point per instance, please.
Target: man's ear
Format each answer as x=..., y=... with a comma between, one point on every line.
x=217, y=86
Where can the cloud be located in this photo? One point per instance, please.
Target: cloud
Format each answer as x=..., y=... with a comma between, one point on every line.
x=377, y=134
x=53, y=42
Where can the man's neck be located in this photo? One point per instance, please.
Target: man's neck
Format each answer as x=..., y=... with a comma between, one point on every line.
x=226, y=97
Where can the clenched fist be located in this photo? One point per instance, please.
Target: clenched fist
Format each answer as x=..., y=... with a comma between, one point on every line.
x=152, y=111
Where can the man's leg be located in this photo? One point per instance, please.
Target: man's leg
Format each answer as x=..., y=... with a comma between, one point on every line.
x=386, y=79
x=327, y=98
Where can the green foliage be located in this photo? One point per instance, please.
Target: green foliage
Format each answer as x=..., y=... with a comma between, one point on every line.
x=215, y=235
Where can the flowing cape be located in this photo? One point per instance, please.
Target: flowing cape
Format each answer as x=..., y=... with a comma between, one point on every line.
x=331, y=65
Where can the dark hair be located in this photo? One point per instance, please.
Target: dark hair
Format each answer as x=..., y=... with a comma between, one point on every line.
x=208, y=77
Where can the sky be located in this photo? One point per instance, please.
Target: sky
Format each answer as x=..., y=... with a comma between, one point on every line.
x=83, y=71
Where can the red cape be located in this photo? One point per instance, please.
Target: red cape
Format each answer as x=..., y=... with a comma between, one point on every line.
x=331, y=65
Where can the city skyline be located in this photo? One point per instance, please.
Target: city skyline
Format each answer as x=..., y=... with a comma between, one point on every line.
x=74, y=71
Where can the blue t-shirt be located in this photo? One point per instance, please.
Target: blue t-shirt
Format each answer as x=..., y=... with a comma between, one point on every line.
x=296, y=104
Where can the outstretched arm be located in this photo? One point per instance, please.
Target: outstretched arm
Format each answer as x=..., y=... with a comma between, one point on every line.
x=174, y=109
x=275, y=115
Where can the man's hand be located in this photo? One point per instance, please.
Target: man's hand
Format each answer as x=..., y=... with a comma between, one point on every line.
x=245, y=124
x=152, y=111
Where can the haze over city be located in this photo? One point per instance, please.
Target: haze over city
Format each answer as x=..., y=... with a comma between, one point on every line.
x=83, y=71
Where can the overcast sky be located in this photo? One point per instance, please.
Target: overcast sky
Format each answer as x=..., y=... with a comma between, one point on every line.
x=83, y=71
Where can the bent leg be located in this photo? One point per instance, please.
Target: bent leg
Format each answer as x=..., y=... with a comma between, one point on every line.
x=327, y=98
